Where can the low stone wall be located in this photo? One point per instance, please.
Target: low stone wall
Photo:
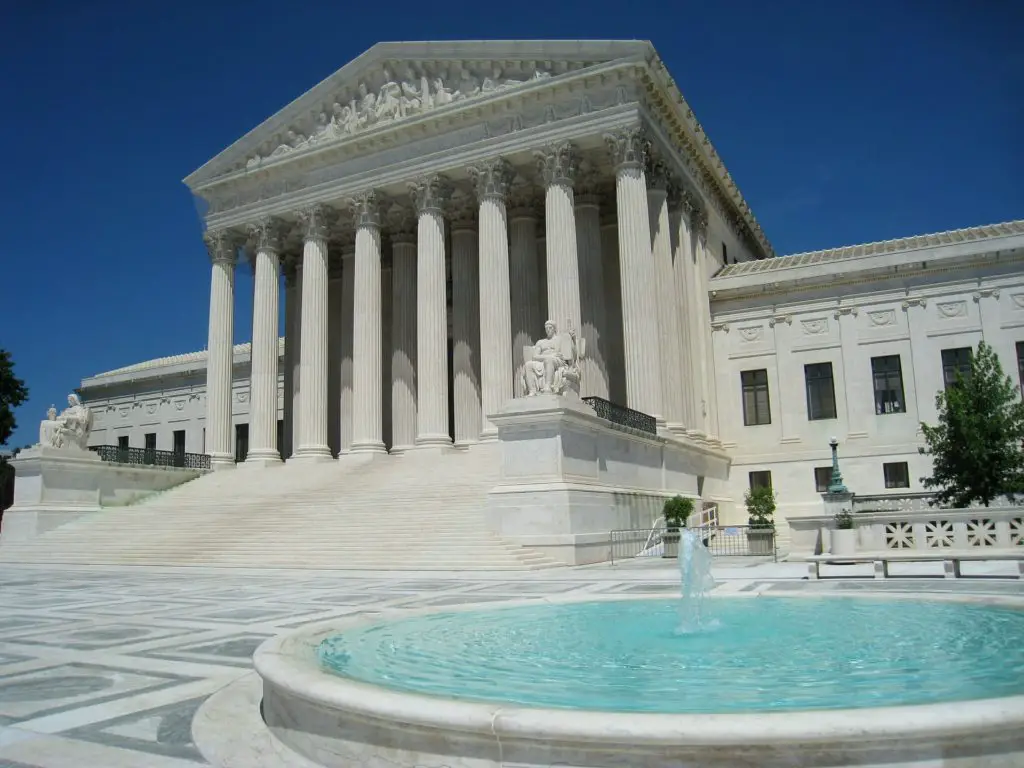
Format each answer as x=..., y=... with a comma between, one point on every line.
x=569, y=477
x=54, y=486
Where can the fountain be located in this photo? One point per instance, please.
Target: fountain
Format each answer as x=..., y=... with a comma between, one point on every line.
x=784, y=681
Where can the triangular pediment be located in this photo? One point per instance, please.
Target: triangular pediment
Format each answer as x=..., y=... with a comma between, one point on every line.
x=397, y=81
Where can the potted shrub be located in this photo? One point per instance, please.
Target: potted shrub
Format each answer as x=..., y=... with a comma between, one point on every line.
x=843, y=535
x=676, y=512
x=761, y=520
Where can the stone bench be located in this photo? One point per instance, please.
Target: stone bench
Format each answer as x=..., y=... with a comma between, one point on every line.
x=949, y=558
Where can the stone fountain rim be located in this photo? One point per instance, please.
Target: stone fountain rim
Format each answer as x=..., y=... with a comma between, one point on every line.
x=288, y=664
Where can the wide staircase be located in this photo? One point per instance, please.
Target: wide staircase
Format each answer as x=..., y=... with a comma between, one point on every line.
x=424, y=510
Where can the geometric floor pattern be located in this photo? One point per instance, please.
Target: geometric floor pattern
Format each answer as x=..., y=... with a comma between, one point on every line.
x=105, y=667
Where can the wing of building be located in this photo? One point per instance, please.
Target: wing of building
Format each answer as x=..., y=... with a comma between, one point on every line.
x=423, y=211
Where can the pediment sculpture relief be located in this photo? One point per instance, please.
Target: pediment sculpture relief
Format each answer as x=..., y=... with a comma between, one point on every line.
x=552, y=365
x=68, y=430
x=417, y=90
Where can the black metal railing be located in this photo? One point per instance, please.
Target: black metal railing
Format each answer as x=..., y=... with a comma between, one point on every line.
x=621, y=415
x=153, y=458
x=721, y=541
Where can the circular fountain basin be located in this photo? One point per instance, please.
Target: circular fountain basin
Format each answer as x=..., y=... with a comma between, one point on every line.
x=771, y=681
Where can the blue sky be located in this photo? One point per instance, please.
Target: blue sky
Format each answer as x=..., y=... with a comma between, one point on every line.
x=841, y=123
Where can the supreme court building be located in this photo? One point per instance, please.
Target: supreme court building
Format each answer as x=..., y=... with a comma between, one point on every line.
x=424, y=210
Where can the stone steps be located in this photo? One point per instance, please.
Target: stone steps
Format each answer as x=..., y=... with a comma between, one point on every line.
x=421, y=510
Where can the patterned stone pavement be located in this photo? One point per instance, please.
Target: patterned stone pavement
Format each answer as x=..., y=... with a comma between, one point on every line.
x=105, y=667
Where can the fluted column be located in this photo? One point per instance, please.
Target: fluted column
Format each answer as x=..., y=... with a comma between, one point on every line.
x=313, y=411
x=670, y=367
x=710, y=400
x=334, y=326
x=557, y=165
x=265, y=237
x=430, y=195
x=593, y=314
x=613, y=304
x=402, y=228
x=680, y=209
x=223, y=252
x=491, y=179
x=367, y=428
x=347, y=373
x=291, y=353
x=466, y=325
x=296, y=360
x=629, y=149
x=524, y=277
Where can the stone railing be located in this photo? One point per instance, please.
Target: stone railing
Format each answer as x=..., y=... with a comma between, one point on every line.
x=928, y=529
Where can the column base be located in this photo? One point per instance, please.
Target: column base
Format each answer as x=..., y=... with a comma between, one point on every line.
x=676, y=429
x=433, y=441
x=222, y=461
x=398, y=450
x=262, y=459
x=696, y=434
x=314, y=453
x=368, y=446
x=489, y=435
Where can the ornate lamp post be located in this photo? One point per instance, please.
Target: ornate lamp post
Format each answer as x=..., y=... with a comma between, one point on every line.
x=837, y=485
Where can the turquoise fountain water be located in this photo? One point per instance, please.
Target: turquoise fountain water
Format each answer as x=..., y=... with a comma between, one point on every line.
x=673, y=656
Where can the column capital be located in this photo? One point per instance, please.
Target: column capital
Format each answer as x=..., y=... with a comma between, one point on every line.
x=315, y=221
x=265, y=234
x=491, y=178
x=366, y=209
x=699, y=224
x=659, y=175
x=401, y=223
x=628, y=147
x=430, y=193
x=222, y=245
x=557, y=163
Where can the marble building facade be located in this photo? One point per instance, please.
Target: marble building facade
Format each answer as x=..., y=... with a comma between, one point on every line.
x=425, y=209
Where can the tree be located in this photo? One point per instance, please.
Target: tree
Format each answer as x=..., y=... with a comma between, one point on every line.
x=13, y=393
x=976, y=448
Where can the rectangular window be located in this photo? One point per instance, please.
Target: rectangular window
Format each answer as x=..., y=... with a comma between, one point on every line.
x=822, y=479
x=179, y=447
x=1020, y=364
x=897, y=475
x=150, y=456
x=241, y=442
x=821, y=393
x=888, y=376
x=122, y=442
x=955, y=362
x=756, y=406
x=761, y=479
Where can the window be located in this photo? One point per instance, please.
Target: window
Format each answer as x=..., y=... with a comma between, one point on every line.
x=241, y=442
x=955, y=362
x=762, y=479
x=280, y=437
x=150, y=456
x=179, y=447
x=897, y=475
x=888, y=376
x=822, y=479
x=725, y=254
x=756, y=407
x=122, y=442
x=821, y=394
x=1020, y=364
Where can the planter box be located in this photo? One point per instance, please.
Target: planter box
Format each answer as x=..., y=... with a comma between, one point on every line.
x=671, y=545
x=844, y=542
x=761, y=542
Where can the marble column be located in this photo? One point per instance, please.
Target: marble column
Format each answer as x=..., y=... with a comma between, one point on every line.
x=430, y=195
x=265, y=238
x=466, y=325
x=680, y=209
x=593, y=314
x=402, y=228
x=386, y=310
x=703, y=328
x=347, y=373
x=313, y=412
x=613, y=304
x=557, y=164
x=629, y=149
x=334, y=326
x=220, y=361
x=524, y=278
x=296, y=360
x=367, y=427
x=670, y=367
x=291, y=353
x=491, y=179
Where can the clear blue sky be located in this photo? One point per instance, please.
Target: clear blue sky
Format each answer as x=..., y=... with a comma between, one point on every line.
x=841, y=122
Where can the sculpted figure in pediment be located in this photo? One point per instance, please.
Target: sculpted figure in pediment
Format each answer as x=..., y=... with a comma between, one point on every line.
x=469, y=86
x=442, y=95
x=389, y=99
x=367, y=106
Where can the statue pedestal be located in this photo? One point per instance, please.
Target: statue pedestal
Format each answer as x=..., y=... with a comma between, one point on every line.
x=569, y=477
x=52, y=486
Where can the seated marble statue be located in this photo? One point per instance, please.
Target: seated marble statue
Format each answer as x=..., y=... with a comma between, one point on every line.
x=68, y=430
x=551, y=366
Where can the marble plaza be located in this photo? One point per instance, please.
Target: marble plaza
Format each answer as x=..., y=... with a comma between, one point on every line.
x=524, y=299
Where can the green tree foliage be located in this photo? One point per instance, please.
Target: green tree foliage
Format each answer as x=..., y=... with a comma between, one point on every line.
x=13, y=393
x=760, y=508
x=976, y=448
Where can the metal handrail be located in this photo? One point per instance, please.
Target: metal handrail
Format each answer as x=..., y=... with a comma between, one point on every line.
x=152, y=458
x=623, y=416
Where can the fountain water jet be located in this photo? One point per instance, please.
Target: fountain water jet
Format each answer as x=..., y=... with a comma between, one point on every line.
x=695, y=581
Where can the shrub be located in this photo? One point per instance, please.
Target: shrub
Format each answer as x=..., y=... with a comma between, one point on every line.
x=676, y=512
x=760, y=508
